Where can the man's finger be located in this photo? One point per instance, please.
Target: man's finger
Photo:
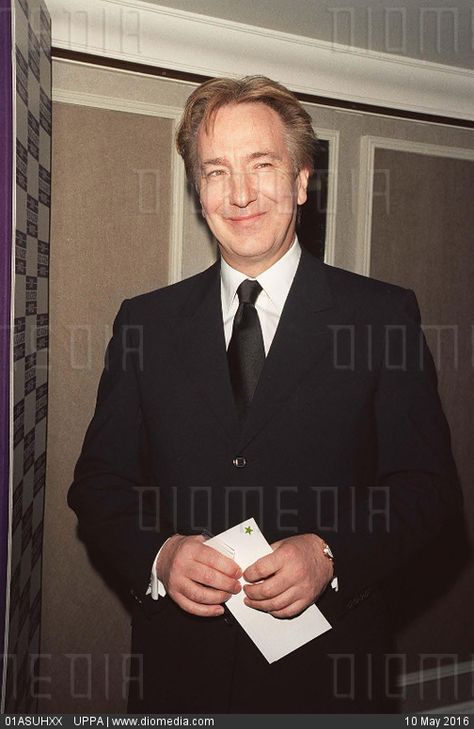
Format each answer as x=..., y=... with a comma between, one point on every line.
x=196, y=608
x=211, y=577
x=275, y=545
x=209, y=556
x=290, y=611
x=279, y=603
x=263, y=568
x=267, y=589
x=203, y=595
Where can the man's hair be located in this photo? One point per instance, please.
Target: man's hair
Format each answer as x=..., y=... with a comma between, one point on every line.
x=212, y=95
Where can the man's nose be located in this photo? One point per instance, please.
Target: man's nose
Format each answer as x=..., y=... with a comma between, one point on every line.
x=243, y=189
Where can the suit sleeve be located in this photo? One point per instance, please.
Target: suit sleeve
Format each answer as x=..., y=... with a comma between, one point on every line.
x=112, y=492
x=416, y=489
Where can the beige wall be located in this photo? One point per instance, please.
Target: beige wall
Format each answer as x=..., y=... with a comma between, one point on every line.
x=422, y=238
x=104, y=249
x=109, y=241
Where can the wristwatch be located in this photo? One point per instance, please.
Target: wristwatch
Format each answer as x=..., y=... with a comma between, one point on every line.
x=327, y=551
x=334, y=581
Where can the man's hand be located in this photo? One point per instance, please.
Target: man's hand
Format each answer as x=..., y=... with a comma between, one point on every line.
x=197, y=577
x=293, y=576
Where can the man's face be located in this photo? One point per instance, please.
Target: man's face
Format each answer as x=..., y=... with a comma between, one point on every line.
x=249, y=189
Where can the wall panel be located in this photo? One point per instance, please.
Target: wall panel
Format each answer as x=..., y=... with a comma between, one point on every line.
x=110, y=231
x=422, y=238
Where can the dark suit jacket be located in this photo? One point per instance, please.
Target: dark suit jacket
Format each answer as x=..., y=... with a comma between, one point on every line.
x=345, y=436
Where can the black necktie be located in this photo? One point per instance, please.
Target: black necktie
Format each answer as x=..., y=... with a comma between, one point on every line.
x=246, y=353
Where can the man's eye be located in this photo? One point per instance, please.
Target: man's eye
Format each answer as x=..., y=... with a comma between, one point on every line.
x=214, y=173
x=264, y=164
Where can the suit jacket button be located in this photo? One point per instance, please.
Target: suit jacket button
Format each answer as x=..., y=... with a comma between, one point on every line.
x=239, y=462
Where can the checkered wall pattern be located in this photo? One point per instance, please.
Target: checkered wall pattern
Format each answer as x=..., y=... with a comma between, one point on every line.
x=30, y=345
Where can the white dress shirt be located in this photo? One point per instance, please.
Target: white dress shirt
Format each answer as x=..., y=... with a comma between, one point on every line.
x=276, y=283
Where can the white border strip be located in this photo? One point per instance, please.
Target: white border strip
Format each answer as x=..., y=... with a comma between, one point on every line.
x=175, y=249
x=139, y=32
x=436, y=674
x=368, y=145
x=466, y=707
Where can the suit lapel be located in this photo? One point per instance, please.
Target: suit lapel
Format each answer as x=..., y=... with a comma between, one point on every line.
x=302, y=339
x=199, y=339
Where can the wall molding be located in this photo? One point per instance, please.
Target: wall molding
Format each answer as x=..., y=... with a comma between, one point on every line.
x=81, y=98
x=368, y=145
x=138, y=32
x=332, y=136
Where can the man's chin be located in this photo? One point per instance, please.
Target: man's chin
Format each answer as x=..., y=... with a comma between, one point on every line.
x=248, y=253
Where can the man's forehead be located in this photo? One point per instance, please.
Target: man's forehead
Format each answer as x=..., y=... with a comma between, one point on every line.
x=240, y=111
x=254, y=126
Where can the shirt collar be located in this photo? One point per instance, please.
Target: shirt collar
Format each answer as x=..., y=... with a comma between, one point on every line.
x=275, y=281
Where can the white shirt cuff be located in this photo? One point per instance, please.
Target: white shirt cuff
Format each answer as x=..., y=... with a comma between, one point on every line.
x=155, y=587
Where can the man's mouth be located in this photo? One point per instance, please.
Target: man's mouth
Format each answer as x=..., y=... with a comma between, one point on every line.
x=243, y=219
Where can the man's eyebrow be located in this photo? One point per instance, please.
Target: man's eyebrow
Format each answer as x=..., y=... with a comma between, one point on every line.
x=264, y=153
x=251, y=156
x=213, y=161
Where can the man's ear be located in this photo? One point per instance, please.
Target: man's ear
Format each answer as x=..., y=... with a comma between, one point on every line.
x=302, y=185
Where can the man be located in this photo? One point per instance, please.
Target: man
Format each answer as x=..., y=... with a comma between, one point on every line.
x=271, y=386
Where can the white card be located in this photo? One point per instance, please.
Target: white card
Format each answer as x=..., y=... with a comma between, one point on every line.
x=274, y=637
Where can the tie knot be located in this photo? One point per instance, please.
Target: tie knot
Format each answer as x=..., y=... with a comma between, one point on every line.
x=248, y=292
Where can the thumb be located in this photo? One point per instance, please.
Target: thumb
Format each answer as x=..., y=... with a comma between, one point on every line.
x=275, y=545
